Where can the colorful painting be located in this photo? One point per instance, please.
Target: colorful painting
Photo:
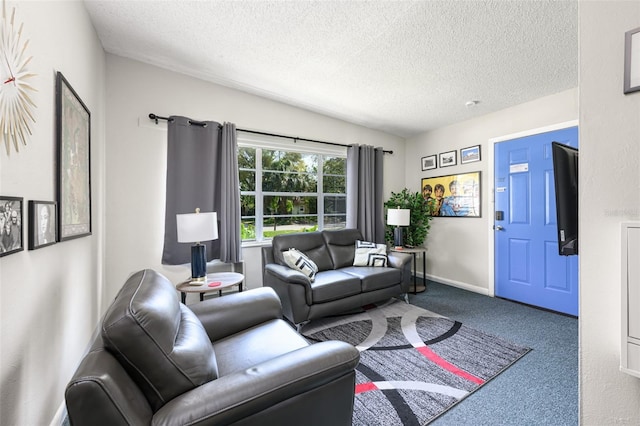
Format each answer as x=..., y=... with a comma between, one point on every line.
x=456, y=195
x=74, y=172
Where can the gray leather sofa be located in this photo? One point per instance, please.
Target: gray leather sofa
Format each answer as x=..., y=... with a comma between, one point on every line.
x=338, y=286
x=230, y=360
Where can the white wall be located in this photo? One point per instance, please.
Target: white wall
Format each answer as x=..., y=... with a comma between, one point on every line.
x=136, y=154
x=50, y=298
x=609, y=194
x=458, y=253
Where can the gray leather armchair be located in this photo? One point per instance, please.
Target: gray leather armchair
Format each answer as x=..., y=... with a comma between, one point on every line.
x=230, y=360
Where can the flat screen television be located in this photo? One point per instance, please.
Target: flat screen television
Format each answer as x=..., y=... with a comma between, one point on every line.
x=565, y=172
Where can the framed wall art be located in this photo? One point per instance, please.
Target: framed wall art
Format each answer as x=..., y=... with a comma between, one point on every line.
x=448, y=159
x=73, y=122
x=457, y=195
x=42, y=224
x=10, y=225
x=470, y=155
x=632, y=61
x=429, y=162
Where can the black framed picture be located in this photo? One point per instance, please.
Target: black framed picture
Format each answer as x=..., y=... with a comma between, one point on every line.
x=42, y=224
x=448, y=159
x=456, y=195
x=73, y=122
x=429, y=162
x=11, y=225
x=470, y=155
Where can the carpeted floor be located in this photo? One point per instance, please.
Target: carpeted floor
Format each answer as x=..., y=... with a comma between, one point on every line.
x=415, y=364
x=541, y=388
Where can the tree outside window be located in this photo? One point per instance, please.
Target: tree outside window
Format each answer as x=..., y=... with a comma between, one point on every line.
x=286, y=191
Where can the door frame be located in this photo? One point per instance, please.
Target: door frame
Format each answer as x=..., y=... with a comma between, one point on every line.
x=491, y=181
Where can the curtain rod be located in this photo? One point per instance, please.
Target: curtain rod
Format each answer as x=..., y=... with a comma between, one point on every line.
x=155, y=117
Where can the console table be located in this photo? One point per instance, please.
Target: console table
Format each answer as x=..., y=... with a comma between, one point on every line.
x=414, y=251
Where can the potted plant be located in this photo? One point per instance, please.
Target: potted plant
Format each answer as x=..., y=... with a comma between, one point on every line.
x=416, y=232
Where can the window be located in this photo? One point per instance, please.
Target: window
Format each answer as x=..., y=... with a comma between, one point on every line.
x=283, y=190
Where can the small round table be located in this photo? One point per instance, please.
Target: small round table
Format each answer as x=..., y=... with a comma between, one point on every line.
x=215, y=281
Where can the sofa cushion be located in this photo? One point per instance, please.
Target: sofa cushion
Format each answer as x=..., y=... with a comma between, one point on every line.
x=309, y=243
x=333, y=285
x=370, y=254
x=340, y=245
x=297, y=260
x=157, y=339
x=374, y=278
x=256, y=345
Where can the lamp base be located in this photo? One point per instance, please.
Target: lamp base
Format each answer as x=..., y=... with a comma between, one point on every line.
x=198, y=281
x=198, y=264
x=397, y=237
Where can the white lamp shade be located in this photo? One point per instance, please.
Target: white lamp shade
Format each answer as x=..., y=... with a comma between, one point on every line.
x=197, y=227
x=398, y=217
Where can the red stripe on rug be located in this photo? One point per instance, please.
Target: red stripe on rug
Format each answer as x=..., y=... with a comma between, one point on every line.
x=432, y=356
x=365, y=387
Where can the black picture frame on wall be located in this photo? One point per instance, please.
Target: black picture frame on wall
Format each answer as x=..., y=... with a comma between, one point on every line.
x=470, y=155
x=448, y=159
x=11, y=220
x=632, y=61
x=73, y=131
x=43, y=224
x=429, y=162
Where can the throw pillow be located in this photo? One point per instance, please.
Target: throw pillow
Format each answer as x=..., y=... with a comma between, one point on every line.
x=295, y=259
x=370, y=254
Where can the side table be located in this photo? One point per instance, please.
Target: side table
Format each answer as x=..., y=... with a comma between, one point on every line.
x=216, y=281
x=414, y=251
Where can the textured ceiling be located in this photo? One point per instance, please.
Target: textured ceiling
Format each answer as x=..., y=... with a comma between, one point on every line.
x=403, y=67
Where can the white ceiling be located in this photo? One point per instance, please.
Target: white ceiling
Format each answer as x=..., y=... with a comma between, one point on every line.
x=403, y=67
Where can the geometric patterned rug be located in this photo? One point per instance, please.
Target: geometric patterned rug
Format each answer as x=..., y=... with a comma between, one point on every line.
x=414, y=364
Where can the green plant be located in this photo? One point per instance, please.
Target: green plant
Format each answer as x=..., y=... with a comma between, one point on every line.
x=247, y=231
x=416, y=233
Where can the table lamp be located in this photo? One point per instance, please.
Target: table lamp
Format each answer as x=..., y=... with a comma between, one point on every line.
x=195, y=228
x=398, y=218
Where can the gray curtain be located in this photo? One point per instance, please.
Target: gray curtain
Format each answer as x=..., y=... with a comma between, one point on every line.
x=229, y=212
x=202, y=172
x=365, y=205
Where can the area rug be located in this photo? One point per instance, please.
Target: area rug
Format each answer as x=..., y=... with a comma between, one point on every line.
x=414, y=364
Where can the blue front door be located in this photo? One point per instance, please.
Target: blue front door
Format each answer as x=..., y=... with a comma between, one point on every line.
x=528, y=267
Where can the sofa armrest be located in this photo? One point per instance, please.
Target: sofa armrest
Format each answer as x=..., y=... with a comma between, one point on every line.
x=102, y=393
x=398, y=260
x=239, y=395
x=233, y=313
x=286, y=274
x=276, y=275
x=403, y=262
x=293, y=288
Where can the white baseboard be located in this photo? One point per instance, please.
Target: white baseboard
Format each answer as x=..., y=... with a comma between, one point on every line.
x=458, y=284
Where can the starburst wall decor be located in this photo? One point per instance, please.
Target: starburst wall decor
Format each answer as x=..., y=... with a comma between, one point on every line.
x=16, y=104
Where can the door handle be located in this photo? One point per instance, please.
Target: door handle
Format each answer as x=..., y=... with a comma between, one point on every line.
x=498, y=228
